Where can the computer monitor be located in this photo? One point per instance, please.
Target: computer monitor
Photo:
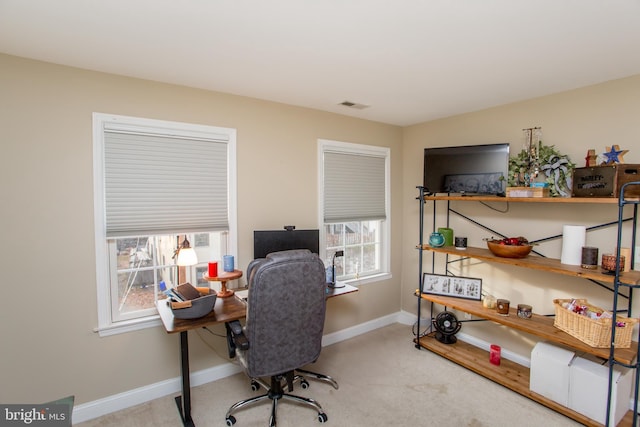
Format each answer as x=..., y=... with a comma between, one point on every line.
x=267, y=241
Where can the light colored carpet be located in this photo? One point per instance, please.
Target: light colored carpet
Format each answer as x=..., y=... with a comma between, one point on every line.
x=384, y=381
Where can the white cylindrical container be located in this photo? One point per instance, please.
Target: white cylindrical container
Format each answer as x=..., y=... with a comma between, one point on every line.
x=573, y=239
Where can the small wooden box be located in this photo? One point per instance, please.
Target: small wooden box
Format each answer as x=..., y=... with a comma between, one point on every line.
x=606, y=181
x=527, y=192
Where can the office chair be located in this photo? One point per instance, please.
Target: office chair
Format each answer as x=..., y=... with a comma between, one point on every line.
x=284, y=325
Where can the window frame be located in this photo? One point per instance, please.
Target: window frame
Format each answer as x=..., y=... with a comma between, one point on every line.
x=104, y=270
x=325, y=145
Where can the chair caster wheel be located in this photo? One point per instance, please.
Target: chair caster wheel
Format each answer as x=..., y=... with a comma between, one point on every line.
x=231, y=420
x=322, y=417
x=255, y=386
x=304, y=384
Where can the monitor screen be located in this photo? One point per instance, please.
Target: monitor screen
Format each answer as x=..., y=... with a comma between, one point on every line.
x=267, y=241
x=470, y=169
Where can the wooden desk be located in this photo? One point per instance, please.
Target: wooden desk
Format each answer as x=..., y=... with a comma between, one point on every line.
x=225, y=310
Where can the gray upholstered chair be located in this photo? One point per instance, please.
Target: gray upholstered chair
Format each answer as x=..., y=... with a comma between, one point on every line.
x=284, y=325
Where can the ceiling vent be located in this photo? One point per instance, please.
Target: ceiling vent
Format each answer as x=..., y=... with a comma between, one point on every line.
x=354, y=105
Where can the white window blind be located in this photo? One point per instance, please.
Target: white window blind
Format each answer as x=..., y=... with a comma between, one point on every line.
x=158, y=183
x=354, y=187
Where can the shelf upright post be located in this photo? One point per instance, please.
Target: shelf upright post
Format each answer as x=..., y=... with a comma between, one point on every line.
x=420, y=252
x=616, y=288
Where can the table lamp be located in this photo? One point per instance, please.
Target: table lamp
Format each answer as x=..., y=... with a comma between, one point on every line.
x=185, y=256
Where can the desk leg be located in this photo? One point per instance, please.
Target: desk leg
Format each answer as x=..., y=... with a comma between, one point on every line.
x=184, y=401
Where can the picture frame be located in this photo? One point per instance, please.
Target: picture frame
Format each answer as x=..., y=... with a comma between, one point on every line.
x=452, y=286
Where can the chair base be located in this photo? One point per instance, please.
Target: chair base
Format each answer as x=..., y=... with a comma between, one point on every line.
x=317, y=376
x=275, y=393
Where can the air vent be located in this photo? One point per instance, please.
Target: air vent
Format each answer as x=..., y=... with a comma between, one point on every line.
x=354, y=105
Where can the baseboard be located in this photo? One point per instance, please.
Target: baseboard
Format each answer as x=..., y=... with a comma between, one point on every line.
x=97, y=408
x=360, y=329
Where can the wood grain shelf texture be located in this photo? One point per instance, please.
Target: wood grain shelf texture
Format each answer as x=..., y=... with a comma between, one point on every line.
x=509, y=374
x=572, y=200
x=536, y=262
x=540, y=326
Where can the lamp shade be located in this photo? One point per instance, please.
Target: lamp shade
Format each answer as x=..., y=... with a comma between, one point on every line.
x=187, y=256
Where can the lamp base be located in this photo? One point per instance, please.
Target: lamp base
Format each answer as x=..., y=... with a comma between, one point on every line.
x=335, y=286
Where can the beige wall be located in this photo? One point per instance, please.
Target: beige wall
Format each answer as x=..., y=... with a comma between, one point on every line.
x=591, y=117
x=48, y=263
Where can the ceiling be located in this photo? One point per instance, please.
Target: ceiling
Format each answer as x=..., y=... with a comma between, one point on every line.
x=410, y=61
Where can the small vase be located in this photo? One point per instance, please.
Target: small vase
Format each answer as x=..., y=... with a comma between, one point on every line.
x=436, y=240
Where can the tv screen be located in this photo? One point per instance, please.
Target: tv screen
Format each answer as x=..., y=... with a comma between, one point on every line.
x=267, y=241
x=468, y=169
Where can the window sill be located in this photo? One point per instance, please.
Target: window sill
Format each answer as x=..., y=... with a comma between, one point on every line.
x=368, y=279
x=129, y=326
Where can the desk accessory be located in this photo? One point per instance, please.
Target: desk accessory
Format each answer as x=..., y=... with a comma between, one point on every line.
x=228, y=263
x=332, y=284
x=202, y=303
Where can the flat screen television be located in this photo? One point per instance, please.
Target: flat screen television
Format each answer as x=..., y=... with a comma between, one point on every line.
x=467, y=169
x=267, y=241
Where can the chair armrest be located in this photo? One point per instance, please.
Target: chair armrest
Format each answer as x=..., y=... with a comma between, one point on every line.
x=235, y=338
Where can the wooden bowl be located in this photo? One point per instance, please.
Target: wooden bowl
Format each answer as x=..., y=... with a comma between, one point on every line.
x=508, y=251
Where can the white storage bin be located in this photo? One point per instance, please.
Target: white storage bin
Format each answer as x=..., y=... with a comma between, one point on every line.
x=589, y=381
x=549, y=375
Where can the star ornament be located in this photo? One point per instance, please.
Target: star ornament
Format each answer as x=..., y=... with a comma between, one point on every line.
x=614, y=155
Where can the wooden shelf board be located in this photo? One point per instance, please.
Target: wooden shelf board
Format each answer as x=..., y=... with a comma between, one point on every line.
x=540, y=326
x=536, y=262
x=509, y=374
x=597, y=200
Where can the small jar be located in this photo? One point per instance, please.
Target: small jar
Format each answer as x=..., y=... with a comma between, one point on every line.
x=524, y=311
x=609, y=263
x=502, y=307
x=436, y=240
x=489, y=301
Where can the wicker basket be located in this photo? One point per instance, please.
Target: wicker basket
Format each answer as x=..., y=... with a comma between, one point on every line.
x=594, y=332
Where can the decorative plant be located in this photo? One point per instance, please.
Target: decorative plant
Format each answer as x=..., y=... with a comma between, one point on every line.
x=554, y=168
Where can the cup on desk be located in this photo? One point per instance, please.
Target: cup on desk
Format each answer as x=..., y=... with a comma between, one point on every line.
x=228, y=263
x=213, y=269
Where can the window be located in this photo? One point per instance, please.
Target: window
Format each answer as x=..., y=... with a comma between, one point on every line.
x=157, y=183
x=354, y=209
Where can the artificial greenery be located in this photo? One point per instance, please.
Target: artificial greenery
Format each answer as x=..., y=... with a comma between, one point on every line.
x=555, y=169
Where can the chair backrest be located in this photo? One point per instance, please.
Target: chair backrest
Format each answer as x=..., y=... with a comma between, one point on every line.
x=285, y=312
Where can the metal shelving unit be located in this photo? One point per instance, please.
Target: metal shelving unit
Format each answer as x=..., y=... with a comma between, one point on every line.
x=628, y=281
